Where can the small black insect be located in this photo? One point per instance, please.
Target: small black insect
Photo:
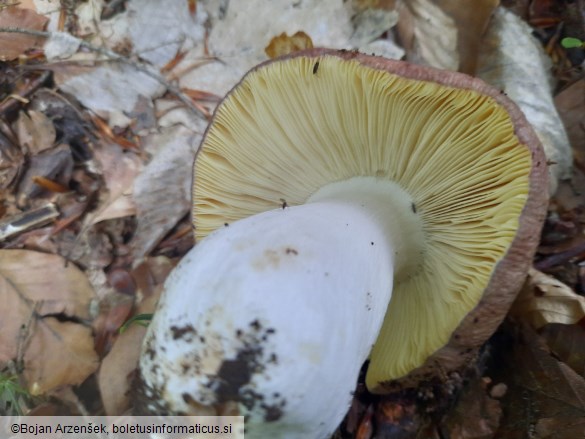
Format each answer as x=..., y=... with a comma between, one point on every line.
x=284, y=203
x=413, y=207
x=315, y=68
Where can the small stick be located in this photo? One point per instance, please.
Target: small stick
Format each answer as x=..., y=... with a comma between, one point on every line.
x=561, y=257
x=116, y=57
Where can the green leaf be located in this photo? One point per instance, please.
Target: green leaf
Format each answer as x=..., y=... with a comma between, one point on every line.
x=571, y=43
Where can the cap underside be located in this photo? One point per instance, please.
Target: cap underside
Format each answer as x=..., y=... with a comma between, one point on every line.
x=294, y=125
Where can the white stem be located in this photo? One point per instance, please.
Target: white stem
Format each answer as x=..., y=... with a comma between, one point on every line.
x=277, y=312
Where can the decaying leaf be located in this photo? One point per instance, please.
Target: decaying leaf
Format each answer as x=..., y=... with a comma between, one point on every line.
x=107, y=89
x=283, y=44
x=240, y=46
x=514, y=61
x=444, y=33
x=545, y=398
x=11, y=162
x=55, y=164
x=429, y=35
x=544, y=299
x=571, y=105
x=58, y=354
x=162, y=192
x=44, y=299
x=13, y=45
x=119, y=169
x=61, y=45
x=35, y=131
x=116, y=374
x=476, y=414
x=370, y=23
x=567, y=343
x=471, y=23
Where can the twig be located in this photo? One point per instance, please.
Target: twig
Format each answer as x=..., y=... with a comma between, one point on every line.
x=561, y=257
x=116, y=57
x=12, y=102
x=27, y=220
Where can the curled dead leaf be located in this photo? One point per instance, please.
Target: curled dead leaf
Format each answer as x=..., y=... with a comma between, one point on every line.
x=544, y=299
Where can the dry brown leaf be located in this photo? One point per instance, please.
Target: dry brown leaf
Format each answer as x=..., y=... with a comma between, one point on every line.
x=42, y=299
x=11, y=161
x=571, y=105
x=567, y=342
x=546, y=398
x=445, y=33
x=471, y=23
x=283, y=44
x=151, y=274
x=13, y=45
x=116, y=373
x=35, y=131
x=115, y=308
x=476, y=414
x=58, y=354
x=544, y=299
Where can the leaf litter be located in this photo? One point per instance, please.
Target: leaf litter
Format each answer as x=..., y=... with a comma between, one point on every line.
x=109, y=142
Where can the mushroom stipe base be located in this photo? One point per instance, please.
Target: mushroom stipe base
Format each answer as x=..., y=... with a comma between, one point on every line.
x=278, y=294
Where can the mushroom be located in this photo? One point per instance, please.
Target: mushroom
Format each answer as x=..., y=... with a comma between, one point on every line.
x=346, y=206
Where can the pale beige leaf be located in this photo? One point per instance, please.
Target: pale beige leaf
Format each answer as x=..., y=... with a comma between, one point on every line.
x=35, y=131
x=162, y=192
x=61, y=45
x=371, y=23
x=107, y=87
x=34, y=289
x=241, y=46
x=120, y=207
x=119, y=169
x=543, y=299
x=514, y=61
x=445, y=33
x=429, y=34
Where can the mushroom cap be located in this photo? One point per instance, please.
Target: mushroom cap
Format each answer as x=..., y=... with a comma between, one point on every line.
x=464, y=152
